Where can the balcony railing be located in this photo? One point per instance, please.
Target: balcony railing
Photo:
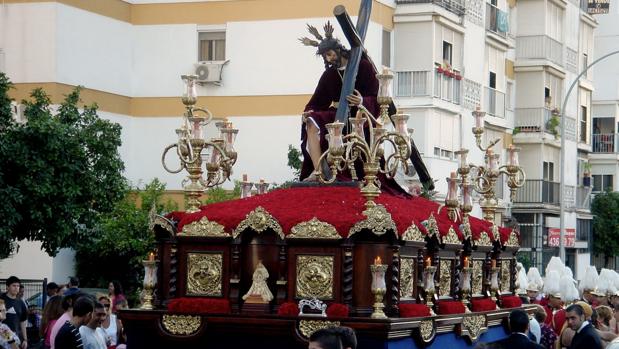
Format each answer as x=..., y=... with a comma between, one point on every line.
x=605, y=143
x=533, y=120
x=494, y=102
x=427, y=83
x=583, y=197
x=454, y=6
x=539, y=47
x=496, y=20
x=537, y=191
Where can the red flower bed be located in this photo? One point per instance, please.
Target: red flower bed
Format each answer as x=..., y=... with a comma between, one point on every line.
x=199, y=306
x=414, y=310
x=451, y=307
x=483, y=304
x=337, y=310
x=288, y=309
x=511, y=302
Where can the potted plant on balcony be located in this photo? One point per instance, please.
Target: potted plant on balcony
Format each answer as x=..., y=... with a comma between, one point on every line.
x=586, y=175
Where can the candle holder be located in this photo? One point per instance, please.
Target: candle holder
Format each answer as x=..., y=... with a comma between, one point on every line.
x=465, y=285
x=451, y=200
x=429, y=288
x=193, y=149
x=262, y=186
x=246, y=188
x=378, y=289
x=494, y=282
x=150, y=281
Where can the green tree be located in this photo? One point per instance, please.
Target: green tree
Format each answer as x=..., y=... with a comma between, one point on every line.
x=606, y=224
x=115, y=247
x=294, y=160
x=58, y=171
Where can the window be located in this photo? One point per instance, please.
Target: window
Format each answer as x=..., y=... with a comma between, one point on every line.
x=602, y=183
x=585, y=63
x=549, y=171
x=447, y=53
x=583, y=124
x=386, y=54
x=212, y=46
x=492, y=80
x=547, y=97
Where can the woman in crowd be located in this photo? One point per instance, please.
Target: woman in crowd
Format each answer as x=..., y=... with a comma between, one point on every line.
x=112, y=326
x=8, y=338
x=51, y=313
x=115, y=293
x=333, y=338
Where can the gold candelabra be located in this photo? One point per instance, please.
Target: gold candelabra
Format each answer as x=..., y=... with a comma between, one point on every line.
x=484, y=178
x=345, y=150
x=192, y=148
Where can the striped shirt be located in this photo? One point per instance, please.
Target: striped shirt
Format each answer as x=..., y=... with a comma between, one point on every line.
x=68, y=337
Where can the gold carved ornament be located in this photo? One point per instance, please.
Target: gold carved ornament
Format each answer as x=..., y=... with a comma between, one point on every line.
x=204, y=227
x=426, y=329
x=513, y=240
x=473, y=326
x=378, y=220
x=465, y=228
x=452, y=237
x=183, y=325
x=505, y=275
x=315, y=277
x=307, y=327
x=432, y=226
x=407, y=277
x=484, y=239
x=444, y=286
x=204, y=274
x=477, y=277
x=413, y=233
x=258, y=220
x=313, y=229
x=495, y=232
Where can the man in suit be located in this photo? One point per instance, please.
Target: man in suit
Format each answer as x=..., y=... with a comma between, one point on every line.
x=586, y=337
x=519, y=325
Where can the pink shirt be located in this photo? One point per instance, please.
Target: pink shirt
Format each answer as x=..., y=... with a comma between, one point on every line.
x=48, y=332
x=59, y=323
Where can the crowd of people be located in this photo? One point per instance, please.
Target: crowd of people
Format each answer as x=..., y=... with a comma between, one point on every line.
x=70, y=318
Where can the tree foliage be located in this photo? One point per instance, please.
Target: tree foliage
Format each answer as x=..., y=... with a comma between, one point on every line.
x=294, y=160
x=115, y=247
x=606, y=224
x=58, y=171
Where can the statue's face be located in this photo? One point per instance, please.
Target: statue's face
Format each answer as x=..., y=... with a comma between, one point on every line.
x=330, y=57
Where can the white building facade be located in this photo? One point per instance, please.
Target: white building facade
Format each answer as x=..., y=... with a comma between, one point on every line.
x=448, y=57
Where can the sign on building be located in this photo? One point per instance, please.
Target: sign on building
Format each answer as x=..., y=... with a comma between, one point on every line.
x=596, y=7
x=554, y=234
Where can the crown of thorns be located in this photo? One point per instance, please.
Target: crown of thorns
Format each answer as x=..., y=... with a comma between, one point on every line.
x=328, y=42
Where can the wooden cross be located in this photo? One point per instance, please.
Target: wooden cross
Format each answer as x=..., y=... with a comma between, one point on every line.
x=355, y=37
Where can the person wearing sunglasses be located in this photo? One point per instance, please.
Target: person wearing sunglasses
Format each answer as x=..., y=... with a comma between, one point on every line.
x=112, y=326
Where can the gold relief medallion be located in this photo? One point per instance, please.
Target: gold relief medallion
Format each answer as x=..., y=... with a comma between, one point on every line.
x=204, y=274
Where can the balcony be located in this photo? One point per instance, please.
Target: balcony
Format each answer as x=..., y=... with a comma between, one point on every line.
x=494, y=102
x=426, y=83
x=583, y=198
x=537, y=191
x=539, y=47
x=534, y=120
x=605, y=143
x=454, y=6
x=496, y=20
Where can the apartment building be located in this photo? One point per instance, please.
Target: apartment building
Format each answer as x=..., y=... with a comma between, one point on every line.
x=604, y=157
x=512, y=59
x=554, y=40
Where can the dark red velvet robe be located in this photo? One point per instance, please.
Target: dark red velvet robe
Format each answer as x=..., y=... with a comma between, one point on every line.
x=328, y=91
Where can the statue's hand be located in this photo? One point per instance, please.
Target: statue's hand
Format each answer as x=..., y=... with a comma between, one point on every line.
x=355, y=98
x=306, y=114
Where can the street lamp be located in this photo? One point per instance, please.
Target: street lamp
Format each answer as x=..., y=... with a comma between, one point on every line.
x=562, y=184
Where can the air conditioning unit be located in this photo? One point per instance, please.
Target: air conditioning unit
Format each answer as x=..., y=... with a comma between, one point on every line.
x=17, y=111
x=209, y=71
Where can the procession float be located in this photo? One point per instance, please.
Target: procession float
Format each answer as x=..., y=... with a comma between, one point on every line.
x=268, y=269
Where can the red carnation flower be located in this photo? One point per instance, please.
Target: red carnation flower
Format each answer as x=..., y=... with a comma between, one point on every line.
x=288, y=309
x=337, y=310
